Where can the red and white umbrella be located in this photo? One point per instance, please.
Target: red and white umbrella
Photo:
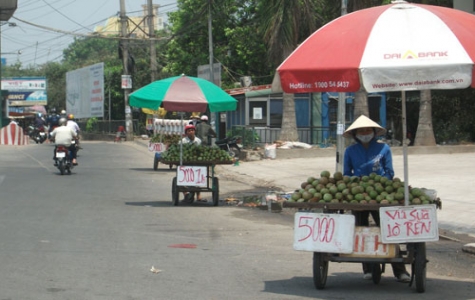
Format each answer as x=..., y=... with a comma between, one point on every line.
x=395, y=47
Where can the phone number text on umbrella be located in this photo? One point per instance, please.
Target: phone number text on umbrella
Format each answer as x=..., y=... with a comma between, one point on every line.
x=320, y=85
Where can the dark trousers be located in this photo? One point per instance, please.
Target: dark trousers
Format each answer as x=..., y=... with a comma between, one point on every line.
x=362, y=219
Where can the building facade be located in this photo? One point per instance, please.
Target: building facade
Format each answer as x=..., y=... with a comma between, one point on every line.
x=137, y=26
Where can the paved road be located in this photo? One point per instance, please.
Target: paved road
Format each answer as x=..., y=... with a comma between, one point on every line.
x=96, y=234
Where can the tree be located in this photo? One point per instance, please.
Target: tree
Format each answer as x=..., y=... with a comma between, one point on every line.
x=285, y=23
x=425, y=133
x=361, y=97
x=235, y=41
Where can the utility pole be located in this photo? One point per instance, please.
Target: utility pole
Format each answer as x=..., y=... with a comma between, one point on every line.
x=210, y=40
x=214, y=117
x=125, y=58
x=340, y=143
x=151, y=35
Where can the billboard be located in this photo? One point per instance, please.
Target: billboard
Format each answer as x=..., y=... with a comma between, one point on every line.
x=25, y=91
x=85, y=91
x=204, y=72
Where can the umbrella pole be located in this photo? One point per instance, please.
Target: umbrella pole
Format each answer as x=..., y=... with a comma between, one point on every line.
x=404, y=150
x=181, y=142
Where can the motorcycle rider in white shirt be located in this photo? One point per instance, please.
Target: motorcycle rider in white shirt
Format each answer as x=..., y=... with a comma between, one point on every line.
x=63, y=135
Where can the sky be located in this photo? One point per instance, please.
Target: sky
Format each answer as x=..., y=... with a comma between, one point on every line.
x=40, y=45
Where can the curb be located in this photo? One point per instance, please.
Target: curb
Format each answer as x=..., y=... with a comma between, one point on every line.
x=469, y=248
x=445, y=237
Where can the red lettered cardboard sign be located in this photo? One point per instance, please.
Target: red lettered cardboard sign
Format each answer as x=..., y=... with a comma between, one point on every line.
x=192, y=176
x=157, y=147
x=401, y=224
x=333, y=233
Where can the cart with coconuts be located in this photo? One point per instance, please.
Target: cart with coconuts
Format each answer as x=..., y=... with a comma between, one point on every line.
x=332, y=236
x=182, y=94
x=195, y=177
x=195, y=169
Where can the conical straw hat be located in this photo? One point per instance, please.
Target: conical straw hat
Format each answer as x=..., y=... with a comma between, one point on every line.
x=361, y=122
x=195, y=115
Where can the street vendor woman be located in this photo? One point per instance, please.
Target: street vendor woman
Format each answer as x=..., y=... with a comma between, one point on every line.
x=191, y=138
x=364, y=157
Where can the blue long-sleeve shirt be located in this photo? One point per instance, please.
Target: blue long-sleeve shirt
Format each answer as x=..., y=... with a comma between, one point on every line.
x=359, y=161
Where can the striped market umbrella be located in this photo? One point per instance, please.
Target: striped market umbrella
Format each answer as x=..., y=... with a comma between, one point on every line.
x=183, y=94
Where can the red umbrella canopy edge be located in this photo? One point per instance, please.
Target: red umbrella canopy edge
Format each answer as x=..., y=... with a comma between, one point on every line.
x=393, y=47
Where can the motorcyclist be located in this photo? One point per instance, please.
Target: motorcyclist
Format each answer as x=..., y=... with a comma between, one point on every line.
x=63, y=135
x=53, y=120
x=204, y=131
x=72, y=124
x=63, y=114
x=39, y=121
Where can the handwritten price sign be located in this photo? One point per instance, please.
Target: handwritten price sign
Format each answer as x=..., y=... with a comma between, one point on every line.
x=157, y=147
x=409, y=224
x=192, y=176
x=331, y=233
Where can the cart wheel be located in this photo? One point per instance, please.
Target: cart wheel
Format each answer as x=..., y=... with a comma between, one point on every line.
x=175, y=192
x=155, y=163
x=320, y=270
x=215, y=191
x=376, y=273
x=420, y=266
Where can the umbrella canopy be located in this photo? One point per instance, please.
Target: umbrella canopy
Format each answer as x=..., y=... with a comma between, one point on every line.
x=183, y=94
x=393, y=47
x=36, y=109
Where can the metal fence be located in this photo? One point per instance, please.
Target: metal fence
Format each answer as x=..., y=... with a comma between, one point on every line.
x=252, y=136
x=110, y=127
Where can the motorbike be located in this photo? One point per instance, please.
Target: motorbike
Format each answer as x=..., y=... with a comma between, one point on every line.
x=230, y=144
x=63, y=157
x=38, y=134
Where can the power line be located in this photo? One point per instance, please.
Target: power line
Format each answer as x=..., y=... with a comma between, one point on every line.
x=64, y=15
x=82, y=34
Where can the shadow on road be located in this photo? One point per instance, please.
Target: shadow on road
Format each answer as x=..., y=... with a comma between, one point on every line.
x=354, y=286
x=152, y=171
x=169, y=204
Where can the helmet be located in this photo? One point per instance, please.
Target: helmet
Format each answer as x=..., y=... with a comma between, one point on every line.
x=40, y=115
x=204, y=118
x=63, y=112
x=62, y=121
x=70, y=116
x=187, y=127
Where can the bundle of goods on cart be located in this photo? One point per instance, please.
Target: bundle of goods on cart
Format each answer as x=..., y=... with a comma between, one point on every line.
x=166, y=139
x=192, y=153
x=359, y=191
